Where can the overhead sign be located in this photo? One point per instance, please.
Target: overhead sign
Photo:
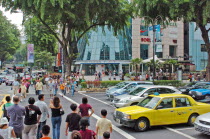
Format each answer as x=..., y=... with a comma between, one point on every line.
x=30, y=53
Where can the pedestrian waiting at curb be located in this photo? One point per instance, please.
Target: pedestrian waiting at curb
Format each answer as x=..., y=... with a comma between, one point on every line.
x=16, y=113
x=84, y=108
x=32, y=117
x=45, y=132
x=103, y=125
x=45, y=114
x=72, y=120
x=6, y=131
x=84, y=131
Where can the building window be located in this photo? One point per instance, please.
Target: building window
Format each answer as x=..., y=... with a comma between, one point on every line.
x=203, y=48
x=159, y=51
x=104, y=55
x=172, y=50
x=144, y=30
x=204, y=63
x=144, y=51
x=88, y=55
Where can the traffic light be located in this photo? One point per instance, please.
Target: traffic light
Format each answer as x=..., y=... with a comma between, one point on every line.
x=55, y=69
x=60, y=69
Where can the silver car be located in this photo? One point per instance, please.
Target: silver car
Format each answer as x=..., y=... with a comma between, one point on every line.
x=128, y=86
x=202, y=123
x=134, y=97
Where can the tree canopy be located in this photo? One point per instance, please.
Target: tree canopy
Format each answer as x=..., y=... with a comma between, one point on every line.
x=9, y=38
x=40, y=36
x=75, y=18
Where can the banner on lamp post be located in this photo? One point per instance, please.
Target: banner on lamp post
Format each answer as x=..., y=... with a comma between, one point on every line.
x=30, y=53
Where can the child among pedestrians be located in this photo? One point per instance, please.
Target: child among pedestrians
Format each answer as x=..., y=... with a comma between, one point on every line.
x=75, y=135
x=84, y=108
x=6, y=131
x=106, y=135
x=63, y=88
x=72, y=120
x=103, y=125
x=45, y=132
x=84, y=131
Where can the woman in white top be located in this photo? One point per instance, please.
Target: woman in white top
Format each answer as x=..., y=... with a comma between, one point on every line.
x=7, y=132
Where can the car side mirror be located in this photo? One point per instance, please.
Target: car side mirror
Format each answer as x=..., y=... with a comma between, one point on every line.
x=159, y=107
x=145, y=94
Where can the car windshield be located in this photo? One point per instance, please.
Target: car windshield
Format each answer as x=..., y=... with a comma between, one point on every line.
x=136, y=91
x=120, y=85
x=206, y=86
x=149, y=102
x=191, y=84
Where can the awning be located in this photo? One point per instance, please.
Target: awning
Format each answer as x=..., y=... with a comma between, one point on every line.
x=151, y=58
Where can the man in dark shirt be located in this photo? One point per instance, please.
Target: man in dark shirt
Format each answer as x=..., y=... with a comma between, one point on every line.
x=72, y=120
x=31, y=119
x=16, y=113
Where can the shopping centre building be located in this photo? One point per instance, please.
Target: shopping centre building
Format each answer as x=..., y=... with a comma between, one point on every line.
x=105, y=52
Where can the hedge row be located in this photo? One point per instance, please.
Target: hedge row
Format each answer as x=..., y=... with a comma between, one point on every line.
x=103, y=84
x=175, y=83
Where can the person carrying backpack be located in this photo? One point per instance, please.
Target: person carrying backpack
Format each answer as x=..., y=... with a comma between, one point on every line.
x=5, y=106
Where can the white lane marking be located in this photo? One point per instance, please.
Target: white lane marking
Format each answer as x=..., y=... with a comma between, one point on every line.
x=180, y=133
x=97, y=100
x=185, y=128
x=126, y=135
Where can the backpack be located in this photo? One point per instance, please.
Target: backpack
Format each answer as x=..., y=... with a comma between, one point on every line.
x=5, y=113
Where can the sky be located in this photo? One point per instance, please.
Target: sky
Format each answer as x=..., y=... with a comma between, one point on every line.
x=15, y=18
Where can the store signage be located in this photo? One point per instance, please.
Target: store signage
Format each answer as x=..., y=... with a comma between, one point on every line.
x=145, y=39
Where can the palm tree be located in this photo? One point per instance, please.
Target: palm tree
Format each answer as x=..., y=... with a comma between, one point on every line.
x=157, y=64
x=135, y=62
x=172, y=63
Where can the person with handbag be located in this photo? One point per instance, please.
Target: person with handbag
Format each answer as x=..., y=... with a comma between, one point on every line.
x=5, y=106
x=57, y=112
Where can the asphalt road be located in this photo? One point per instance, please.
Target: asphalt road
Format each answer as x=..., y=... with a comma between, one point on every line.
x=98, y=102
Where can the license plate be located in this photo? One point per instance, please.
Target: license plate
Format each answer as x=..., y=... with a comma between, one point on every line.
x=118, y=121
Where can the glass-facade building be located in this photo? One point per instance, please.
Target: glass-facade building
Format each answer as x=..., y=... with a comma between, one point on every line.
x=101, y=51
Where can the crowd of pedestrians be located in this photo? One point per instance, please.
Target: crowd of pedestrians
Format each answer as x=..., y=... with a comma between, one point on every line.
x=29, y=122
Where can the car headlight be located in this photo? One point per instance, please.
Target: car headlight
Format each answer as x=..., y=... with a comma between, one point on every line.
x=199, y=93
x=190, y=92
x=126, y=116
x=124, y=101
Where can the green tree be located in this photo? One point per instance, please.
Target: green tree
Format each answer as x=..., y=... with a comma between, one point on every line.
x=75, y=18
x=9, y=38
x=172, y=63
x=158, y=65
x=136, y=62
x=197, y=11
x=45, y=59
x=40, y=36
x=20, y=54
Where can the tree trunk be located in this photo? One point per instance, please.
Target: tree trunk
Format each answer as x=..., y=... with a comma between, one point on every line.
x=207, y=43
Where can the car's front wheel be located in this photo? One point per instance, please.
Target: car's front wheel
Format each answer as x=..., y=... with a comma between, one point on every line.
x=192, y=118
x=142, y=124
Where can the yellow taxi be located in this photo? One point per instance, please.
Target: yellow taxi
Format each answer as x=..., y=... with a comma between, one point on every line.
x=163, y=109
